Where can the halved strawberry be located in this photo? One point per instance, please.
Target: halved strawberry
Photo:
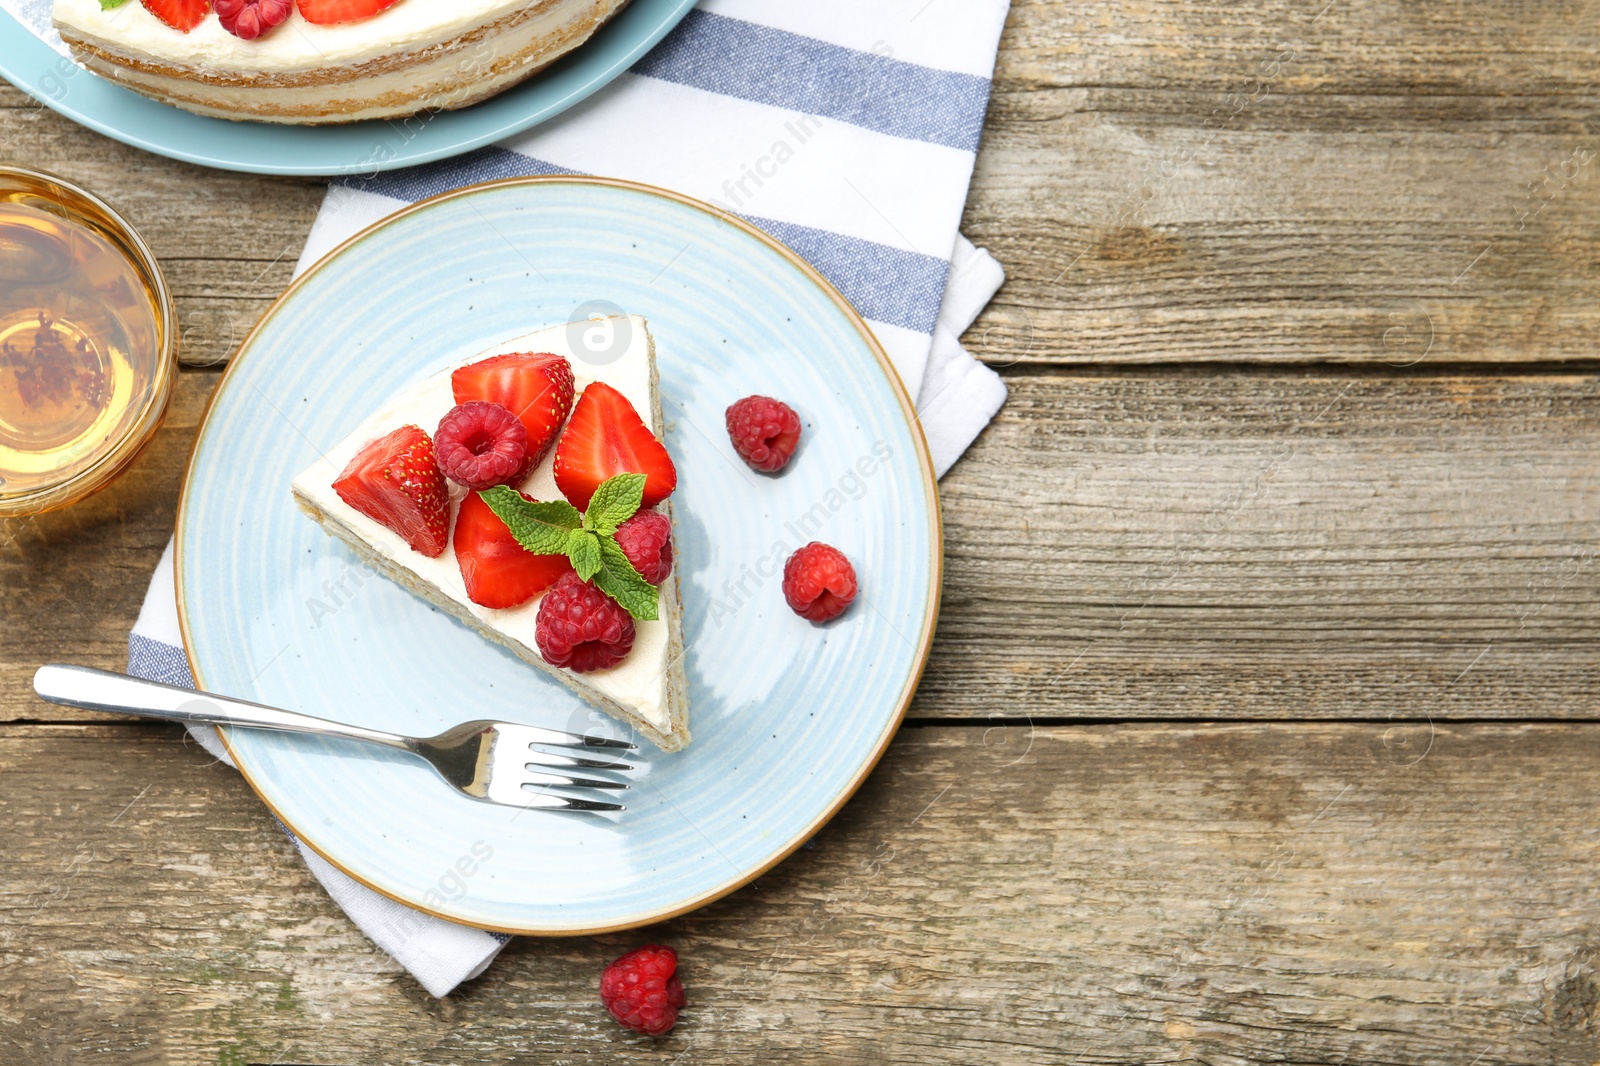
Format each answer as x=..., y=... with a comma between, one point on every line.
x=498, y=571
x=395, y=481
x=604, y=438
x=182, y=15
x=327, y=12
x=536, y=387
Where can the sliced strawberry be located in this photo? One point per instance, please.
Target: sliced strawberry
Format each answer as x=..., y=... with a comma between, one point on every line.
x=536, y=387
x=498, y=571
x=327, y=12
x=395, y=481
x=182, y=15
x=604, y=438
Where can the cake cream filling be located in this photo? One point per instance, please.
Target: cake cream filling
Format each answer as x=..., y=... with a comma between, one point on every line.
x=443, y=83
x=416, y=56
x=297, y=45
x=640, y=681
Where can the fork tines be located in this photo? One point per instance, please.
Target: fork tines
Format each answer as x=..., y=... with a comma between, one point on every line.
x=537, y=763
x=552, y=759
x=563, y=781
x=558, y=738
x=540, y=800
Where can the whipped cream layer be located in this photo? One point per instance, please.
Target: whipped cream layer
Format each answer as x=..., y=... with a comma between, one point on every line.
x=640, y=681
x=416, y=55
x=296, y=44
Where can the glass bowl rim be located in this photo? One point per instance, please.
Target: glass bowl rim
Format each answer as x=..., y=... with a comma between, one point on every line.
x=118, y=452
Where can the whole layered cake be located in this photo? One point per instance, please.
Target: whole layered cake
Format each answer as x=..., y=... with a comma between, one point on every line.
x=323, y=61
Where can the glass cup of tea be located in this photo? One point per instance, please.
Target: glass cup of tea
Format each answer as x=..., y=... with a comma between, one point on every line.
x=88, y=349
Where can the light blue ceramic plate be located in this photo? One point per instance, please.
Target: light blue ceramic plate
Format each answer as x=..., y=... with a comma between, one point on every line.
x=787, y=717
x=358, y=148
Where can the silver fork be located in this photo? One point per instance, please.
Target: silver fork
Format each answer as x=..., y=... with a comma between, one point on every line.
x=491, y=761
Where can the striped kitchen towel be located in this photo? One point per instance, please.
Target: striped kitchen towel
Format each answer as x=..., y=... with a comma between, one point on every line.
x=847, y=129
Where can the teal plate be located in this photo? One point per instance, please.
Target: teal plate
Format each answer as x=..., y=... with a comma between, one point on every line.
x=787, y=717
x=356, y=148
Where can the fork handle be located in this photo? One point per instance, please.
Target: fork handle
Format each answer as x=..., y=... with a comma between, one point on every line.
x=102, y=690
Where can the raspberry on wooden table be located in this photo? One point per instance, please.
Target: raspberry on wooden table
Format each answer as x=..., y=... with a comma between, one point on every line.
x=580, y=628
x=642, y=990
x=819, y=582
x=764, y=432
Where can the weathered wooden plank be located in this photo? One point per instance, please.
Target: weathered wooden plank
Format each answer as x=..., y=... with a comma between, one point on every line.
x=218, y=302
x=1455, y=47
x=1292, y=181
x=1269, y=545
x=182, y=210
x=1315, y=893
x=1251, y=544
x=1379, y=247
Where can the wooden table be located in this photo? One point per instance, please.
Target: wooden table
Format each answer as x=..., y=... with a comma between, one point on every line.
x=1263, y=723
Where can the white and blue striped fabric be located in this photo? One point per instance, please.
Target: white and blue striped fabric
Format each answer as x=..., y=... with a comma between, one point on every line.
x=847, y=129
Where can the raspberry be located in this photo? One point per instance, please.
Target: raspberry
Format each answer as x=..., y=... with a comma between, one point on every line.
x=646, y=539
x=249, y=19
x=819, y=582
x=480, y=444
x=641, y=991
x=764, y=431
x=581, y=628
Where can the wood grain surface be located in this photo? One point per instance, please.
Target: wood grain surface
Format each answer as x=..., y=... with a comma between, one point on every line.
x=1325, y=893
x=1251, y=544
x=1276, y=545
x=1374, y=182
x=1261, y=720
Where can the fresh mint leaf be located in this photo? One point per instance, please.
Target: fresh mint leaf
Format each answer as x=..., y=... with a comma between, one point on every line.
x=541, y=528
x=556, y=528
x=618, y=579
x=555, y=513
x=614, y=502
x=107, y=5
x=583, y=548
